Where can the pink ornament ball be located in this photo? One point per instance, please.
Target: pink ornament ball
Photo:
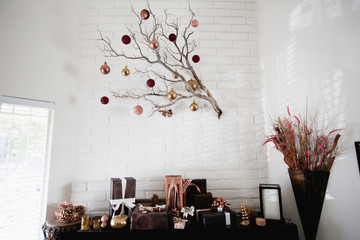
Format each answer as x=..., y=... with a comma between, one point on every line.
x=195, y=23
x=172, y=37
x=138, y=110
x=104, y=100
x=150, y=83
x=196, y=58
x=126, y=39
x=144, y=14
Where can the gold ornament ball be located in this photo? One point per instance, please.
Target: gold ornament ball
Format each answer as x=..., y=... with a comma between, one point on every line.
x=194, y=85
x=194, y=107
x=118, y=221
x=174, y=75
x=126, y=71
x=171, y=95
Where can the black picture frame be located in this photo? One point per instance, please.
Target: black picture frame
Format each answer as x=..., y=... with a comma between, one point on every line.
x=357, y=149
x=270, y=194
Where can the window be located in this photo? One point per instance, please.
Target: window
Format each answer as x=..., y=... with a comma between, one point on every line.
x=25, y=130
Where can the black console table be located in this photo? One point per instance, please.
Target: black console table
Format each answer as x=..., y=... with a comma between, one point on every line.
x=273, y=230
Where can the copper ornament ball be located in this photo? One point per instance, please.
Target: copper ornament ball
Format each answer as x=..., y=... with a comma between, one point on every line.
x=194, y=107
x=105, y=69
x=195, y=23
x=126, y=39
x=138, y=110
x=144, y=14
x=171, y=95
x=104, y=100
x=150, y=83
x=126, y=71
x=154, y=44
x=194, y=85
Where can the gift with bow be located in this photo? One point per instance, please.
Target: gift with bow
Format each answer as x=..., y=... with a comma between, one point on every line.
x=122, y=192
x=173, y=191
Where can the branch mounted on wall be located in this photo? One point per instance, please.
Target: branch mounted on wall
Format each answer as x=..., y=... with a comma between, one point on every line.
x=162, y=47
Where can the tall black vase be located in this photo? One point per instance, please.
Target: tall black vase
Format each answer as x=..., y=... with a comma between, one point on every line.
x=309, y=189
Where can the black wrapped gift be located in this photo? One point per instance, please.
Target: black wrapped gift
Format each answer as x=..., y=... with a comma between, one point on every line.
x=203, y=200
x=116, y=190
x=216, y=220
x=195, y=187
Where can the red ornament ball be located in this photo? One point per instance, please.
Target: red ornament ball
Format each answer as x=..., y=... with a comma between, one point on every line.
x=144, y=14
x=126, y=39
x=172, y=37
x=150, y=83
x=138, y=110
x=105, y=69
x=196, y=58
x=195, y=23
x=104, y=100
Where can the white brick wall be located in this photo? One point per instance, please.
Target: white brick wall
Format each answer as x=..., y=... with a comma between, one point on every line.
x=113, y=142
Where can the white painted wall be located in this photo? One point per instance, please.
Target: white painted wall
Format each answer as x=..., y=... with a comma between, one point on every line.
x=38, y=60
x=310, y=50
x=113, y=142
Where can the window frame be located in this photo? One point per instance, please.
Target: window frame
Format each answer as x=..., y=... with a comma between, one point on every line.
x=51, y=107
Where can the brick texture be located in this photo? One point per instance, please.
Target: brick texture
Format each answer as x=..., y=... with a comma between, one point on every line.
x=113, y=142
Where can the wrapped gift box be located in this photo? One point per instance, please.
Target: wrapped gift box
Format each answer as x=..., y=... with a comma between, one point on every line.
x=149, y=220
x=116, y=190
x=216, y=220
x=202, y=200
x=173, y=191
x=197, y=186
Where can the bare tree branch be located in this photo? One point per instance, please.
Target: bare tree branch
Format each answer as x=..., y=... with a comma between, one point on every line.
x=172, y=56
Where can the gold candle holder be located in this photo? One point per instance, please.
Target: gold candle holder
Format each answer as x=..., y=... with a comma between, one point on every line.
x=85, y=223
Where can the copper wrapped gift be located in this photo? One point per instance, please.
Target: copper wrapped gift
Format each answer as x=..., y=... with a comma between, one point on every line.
x=116, y=192
x=173, y=191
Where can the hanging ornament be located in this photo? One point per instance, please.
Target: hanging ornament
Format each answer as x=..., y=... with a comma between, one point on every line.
x=195, y=23
x=104, y=100
x=166, y=113
x=196, y=58
x=150, y=83
x=105, y=69
x=174, y=75
x=194, y=107
x=126, y=71
x=138, y=110
x=126, y=39
x=171, y=95
x=194, y=85
x=154, y=44
x=144, y=14
x=172, y=37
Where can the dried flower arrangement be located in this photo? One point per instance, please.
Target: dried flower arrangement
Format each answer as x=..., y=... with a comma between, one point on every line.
x=304, y=146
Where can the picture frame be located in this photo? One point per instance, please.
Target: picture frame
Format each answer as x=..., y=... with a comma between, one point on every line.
x=270, y=202
x=357, y=150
